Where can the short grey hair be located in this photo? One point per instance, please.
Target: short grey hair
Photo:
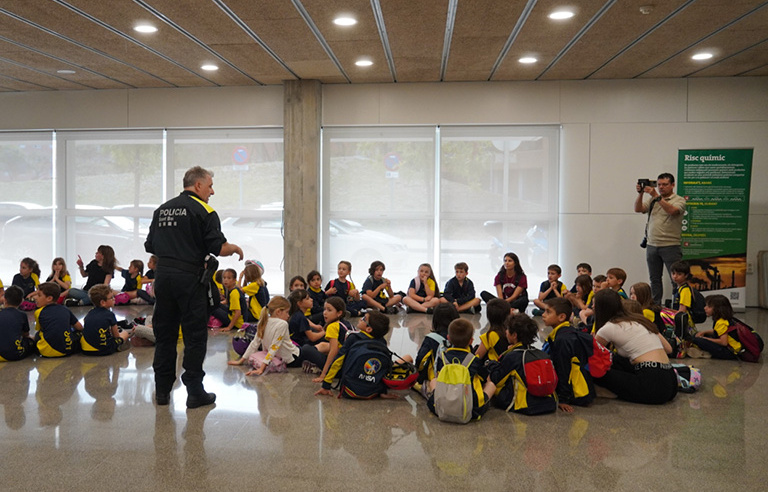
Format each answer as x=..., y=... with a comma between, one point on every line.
x=195, y=174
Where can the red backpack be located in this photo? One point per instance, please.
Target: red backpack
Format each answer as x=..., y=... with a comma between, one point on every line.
x=538, y=372
x=599, y=363
x=751, y=343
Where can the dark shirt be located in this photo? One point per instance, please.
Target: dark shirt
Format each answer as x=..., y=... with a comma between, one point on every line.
x=185, y=229
x=97, y=332
x=510, y=284
x=96, y=275
x=131, y=283
x=14, y=326
x=298, y=326
x=26, y=284
x=454, y=291
x=318, y=300
x=56, y=335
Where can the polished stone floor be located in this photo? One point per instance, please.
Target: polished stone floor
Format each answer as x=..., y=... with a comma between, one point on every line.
x=89, y=424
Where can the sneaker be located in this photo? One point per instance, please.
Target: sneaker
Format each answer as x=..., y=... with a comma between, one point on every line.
x=410, y=310
x=537, y=312
x=391, y=310
x=430, y=310
x=308, y=367
x=70, y=302
x=477, y=309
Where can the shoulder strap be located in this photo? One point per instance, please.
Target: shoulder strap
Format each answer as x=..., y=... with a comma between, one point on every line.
x=468, y=359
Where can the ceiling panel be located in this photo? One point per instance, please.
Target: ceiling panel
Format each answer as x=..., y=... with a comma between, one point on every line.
x=691, y=24
x=749, y=62
x=269, y=41
x=747, y=32
x=416, y=30
x=481, y=29
x=351, y=43
x=543, y=38
x=73, y=54
x=278, y=24
x=9, y=68
x=619, y=26
x=186, y=57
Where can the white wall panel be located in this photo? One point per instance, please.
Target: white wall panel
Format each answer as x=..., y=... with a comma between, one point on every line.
x=623, y=101
x=732, y=99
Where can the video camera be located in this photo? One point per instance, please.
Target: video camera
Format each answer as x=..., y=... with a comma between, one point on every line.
x=643, y=182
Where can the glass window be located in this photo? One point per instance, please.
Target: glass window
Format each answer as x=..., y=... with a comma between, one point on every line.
x=378, y=200
x=26, y=199
x=114, y=181
x=498, y=194
x=248, y=189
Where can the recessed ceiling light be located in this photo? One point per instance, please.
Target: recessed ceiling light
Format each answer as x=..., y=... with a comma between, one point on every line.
x=145, y=28
x=527, y=60
x=363, y=63
x=209, y=68
x=561, y=14
x=344, y=21
x=702, y=56
x=65, y=72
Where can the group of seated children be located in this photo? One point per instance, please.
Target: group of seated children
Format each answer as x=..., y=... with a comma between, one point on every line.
x=99, y=271
x=59, y=333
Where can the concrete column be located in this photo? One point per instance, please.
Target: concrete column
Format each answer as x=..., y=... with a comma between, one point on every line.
x=302, y=102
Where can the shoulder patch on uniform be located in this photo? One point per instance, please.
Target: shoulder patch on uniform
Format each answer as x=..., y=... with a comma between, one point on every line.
x=207, y=207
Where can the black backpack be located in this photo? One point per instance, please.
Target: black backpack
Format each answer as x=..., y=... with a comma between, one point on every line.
x=366, y=364
x=697, y=306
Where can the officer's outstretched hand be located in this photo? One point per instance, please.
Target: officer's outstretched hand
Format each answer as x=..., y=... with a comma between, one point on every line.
x=228, y=249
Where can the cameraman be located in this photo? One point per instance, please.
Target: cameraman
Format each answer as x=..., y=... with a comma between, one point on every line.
x=665, y=223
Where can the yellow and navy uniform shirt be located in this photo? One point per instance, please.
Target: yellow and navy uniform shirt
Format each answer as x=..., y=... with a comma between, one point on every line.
x=683, y=297
x=570, y=355
x=511, y=390
x=56, y=336
x=222, y=291
x=622, y=293
x=14, y=328
x=590, y=298
x=234, y=304
x=253, y=290
x=721, y=326
x=336, y=330
x=131, y=283
x=425, y=358
x=494, y=344
x=649, y=315
x=422, y=292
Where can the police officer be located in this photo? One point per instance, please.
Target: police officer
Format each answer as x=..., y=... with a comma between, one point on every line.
x=183, y=231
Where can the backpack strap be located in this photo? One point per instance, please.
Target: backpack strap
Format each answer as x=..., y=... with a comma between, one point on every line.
x=467, y=360
x=525, y=381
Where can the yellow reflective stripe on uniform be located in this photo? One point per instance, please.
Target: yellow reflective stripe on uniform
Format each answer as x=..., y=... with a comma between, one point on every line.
x=87, y=346
x=45, y=349
x=521, y=393
x=207, y=207
x=576, y=379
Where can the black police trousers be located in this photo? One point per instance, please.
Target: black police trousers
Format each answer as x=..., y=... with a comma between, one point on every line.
x=180, y=299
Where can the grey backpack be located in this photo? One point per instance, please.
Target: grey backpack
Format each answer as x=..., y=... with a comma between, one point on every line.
x=453, y=393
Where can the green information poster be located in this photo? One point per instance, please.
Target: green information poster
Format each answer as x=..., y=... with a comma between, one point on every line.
x=715, y=185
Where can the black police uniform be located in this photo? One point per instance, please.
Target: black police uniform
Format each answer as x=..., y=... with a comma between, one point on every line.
x=183, y=231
